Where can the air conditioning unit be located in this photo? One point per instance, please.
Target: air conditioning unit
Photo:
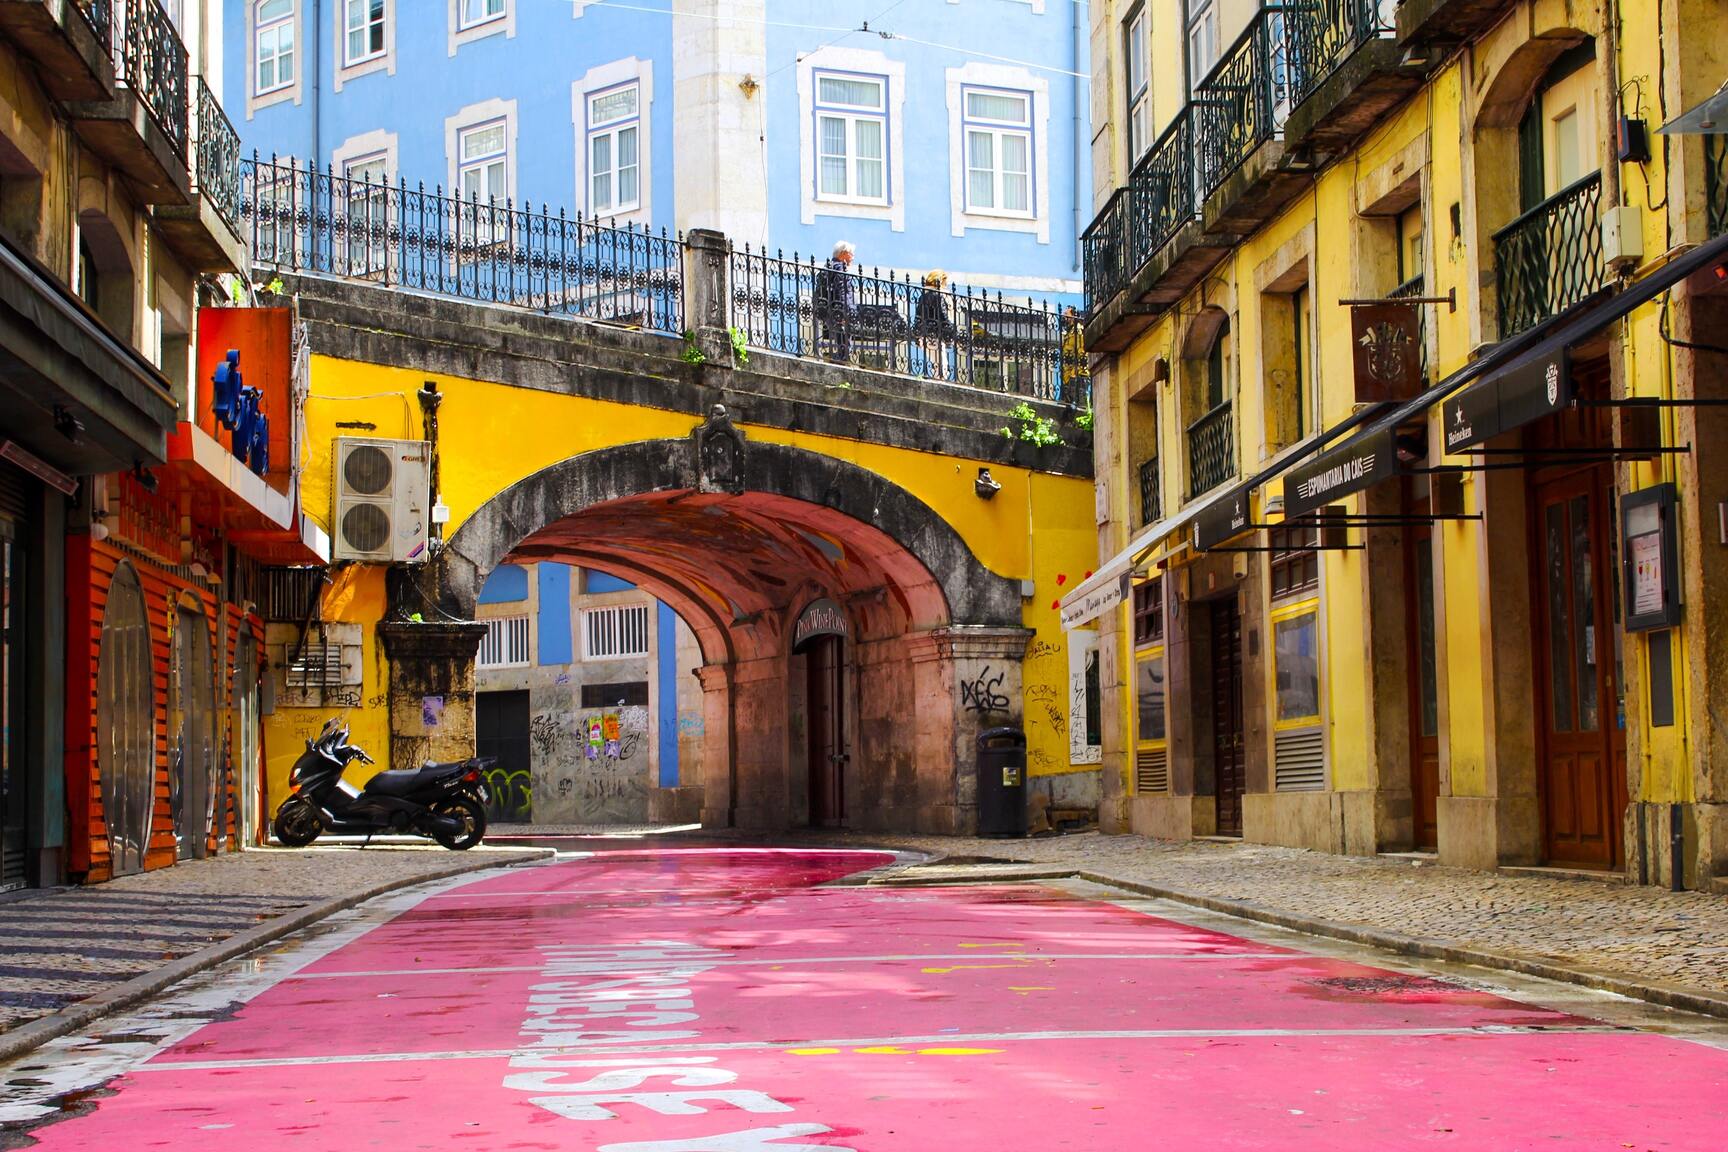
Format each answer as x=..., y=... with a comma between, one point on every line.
x=381, y=500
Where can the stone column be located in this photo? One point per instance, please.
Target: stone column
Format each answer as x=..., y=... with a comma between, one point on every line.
x=431, y=687
x=708, y=294
x=968, y=679
x=717, y=794
x=761, y=791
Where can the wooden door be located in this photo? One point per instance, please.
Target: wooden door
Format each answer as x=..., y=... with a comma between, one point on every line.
x=1423, y=677
x=825, y=665
x=1229, y=762
x=501, y=731
x=14, y=827
x=1581, y=757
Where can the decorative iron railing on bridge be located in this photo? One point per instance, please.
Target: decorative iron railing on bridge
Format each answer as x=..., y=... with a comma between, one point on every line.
x=150, y=60
x=1211, y=450
x=1550, y=258
x=217, y=150
x=798, y=307
x=300, y=219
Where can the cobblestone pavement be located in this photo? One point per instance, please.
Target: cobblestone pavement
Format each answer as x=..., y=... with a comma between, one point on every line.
x=1644, y=933
x=63, y=945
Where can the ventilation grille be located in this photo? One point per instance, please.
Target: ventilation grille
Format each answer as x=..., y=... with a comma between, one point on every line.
x=318, y=664
x=1299, y=756
x=615, y=632
x=1152, y=770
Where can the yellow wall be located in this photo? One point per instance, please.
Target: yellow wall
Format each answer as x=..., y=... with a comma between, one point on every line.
x=1038, y=527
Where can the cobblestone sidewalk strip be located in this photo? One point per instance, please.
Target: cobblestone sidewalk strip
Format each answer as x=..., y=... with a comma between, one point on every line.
x=1667, y=947
x=59, y=948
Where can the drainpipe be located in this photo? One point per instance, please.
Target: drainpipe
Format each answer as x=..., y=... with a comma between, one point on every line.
x=1080, y=142
x=315, y=78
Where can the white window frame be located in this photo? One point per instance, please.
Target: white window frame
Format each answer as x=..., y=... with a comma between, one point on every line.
x=852, y=116
x=462, y=31
x=998, y=132
x=1138, y=50
x=295, y=89
x=598, y=81
x=1003, y=78
x=608, y=632
x=508, y=643
x=484, y=163
x=464, y=23
x=278, y=25
x=612, y=131
x=858, y=63
x=381, y=60
x=365, y=28
x=1200, y=26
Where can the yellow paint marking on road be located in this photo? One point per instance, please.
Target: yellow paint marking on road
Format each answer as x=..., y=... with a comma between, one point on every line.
x=967, y=968
x=1029, y=988
x=1005, y=944
x=884, y=1050
x=811, y=1051
x=958, y=1051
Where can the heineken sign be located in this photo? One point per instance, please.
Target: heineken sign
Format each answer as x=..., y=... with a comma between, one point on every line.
x=1339, y=472
x=1507, y=401
x=1224, y=520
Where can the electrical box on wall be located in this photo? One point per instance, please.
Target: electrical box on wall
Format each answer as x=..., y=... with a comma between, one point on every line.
x=1622, y=238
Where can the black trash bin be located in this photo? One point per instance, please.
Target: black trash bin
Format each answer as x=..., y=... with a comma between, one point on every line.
x=1002, y=782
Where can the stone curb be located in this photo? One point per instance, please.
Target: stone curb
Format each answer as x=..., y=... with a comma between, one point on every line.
x=32, y=1035
x=1654, y=992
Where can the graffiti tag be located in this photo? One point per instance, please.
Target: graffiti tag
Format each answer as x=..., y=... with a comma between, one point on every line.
x=981, y=695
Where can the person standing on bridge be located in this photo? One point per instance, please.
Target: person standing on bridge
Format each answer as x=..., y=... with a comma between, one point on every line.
x=837, y=299
x=931, y=324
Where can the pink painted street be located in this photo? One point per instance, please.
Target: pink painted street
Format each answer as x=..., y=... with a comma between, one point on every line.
x=695, y=999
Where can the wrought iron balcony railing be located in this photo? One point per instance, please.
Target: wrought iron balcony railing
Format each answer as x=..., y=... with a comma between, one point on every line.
x=1242, y=102
x=1151, y=503
x=1325, y=33
x=1549, y=258
x=216, y=147
x=1716, y=182
x=1141, y=218
x=300, y=219
x=798, y=307
x=99, y=14
x=150, y=60
x=1211, y=450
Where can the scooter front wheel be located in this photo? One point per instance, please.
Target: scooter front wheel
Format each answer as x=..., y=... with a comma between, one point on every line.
x=297, y=823
x=467, y=812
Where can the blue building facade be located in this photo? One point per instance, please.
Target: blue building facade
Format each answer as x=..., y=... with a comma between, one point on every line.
x=781, y=123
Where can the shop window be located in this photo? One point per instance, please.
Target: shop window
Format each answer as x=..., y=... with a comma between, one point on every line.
x=1296, y=654
x=1149, y=695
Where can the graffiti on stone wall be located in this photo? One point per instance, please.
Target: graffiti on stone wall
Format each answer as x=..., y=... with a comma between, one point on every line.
x=512, y=792
x=983, y=692
x=546, y=734
x=1085, y=740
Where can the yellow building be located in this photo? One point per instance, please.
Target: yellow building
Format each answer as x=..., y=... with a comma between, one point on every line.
x=1410, y=538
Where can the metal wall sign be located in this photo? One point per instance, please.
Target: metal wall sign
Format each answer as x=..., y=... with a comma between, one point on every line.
x=1340, y=471
x=1386, y=346
x=1225, y=519
x=1507, y=401
x=820, y=618
x=1094, y=603
x=1648, y=559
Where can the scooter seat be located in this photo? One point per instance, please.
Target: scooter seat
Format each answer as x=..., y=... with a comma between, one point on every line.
x=401, y=781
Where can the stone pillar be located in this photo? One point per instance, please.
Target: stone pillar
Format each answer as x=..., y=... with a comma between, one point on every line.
x=761, y=791
x=717, y=777
x=968, y=680
x=708, y=294
x=1391, y=605
x=431, y=688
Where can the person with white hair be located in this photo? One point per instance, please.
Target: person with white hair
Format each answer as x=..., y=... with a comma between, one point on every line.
x=836, y=299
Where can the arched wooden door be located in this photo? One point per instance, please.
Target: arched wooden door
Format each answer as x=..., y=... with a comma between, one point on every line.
x=126, y=722
x=192, y=739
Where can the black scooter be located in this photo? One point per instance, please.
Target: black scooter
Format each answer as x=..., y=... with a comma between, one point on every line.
x=443, y=801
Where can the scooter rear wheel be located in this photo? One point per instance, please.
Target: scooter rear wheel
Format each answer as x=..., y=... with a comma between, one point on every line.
x=297, y=823
x=472, y=817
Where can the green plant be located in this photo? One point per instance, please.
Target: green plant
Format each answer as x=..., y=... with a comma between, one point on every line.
x=692, y=354
x=275, y=286
x=740, y=355
x=1034, y=429
x=1083, y=420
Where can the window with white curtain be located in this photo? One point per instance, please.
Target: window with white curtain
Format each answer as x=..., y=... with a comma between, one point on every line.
x=614, y=149
x=364, y=23
x=273, y=45
x=482, y=162
x=998, y=127
x=851, y=138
